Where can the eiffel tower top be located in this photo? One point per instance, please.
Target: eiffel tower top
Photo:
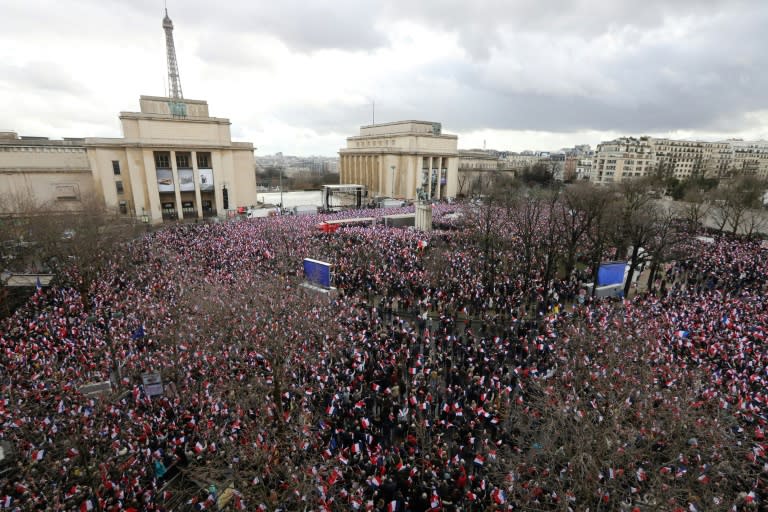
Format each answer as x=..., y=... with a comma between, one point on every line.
x=174, y=81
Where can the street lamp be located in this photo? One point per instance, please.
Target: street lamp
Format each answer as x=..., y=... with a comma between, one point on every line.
x=393, y=180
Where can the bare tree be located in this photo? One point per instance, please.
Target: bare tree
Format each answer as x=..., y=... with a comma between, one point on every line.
x=576, y=213
x=695, y=209
x=605, y=432
x=734, y=200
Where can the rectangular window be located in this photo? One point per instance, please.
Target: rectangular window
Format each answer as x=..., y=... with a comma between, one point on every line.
x=182, y=161
x=116, y=167
x=119, y=187
x=123, y=207
x=204, y=160
x=162, y=160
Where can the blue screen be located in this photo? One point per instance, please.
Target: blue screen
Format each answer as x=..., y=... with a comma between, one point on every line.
x=611, y=273
x=317, y=272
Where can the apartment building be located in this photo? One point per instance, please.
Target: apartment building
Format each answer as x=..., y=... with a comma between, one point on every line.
x=630, y=157
x=621, y=159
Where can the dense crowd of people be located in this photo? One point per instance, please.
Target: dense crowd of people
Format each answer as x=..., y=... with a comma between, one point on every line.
x=418, y=386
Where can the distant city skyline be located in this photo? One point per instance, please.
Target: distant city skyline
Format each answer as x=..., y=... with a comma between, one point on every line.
x=298, y=77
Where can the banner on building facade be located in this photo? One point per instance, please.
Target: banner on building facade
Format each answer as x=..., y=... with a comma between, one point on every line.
x=164, y=180
x=206, y=180
x=186, y=180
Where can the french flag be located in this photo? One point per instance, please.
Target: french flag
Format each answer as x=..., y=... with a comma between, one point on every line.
x=356, y=448
x=365, y=423
x=499, y=497
x=479, y=460
x=434, y=501
x=38, y=455
x=392, y=506
x=86, y=506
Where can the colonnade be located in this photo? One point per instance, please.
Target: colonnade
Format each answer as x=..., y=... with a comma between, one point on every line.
x=364, y=170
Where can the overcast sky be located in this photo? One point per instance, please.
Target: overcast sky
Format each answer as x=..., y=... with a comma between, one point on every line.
x=299, y=76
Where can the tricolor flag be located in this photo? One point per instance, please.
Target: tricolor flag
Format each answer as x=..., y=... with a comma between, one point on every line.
x=334, y=477
x=356, y=448
x=479, y=460
x=365, y=423
x=392, y=506
x=199, y=448
x=330, y=410
x=86, y=506
x=38, y=455
x=434, y=501
x=499, y=497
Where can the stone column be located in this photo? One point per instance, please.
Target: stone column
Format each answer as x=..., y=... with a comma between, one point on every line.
x=176, y=184
x=429, y=179
x=153, y=194
x=196, y=177
x=439, y=174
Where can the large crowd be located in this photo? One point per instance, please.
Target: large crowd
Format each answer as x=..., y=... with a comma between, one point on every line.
x=418, y=386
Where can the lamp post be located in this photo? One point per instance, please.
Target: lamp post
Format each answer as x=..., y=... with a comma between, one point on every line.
x=393, y=180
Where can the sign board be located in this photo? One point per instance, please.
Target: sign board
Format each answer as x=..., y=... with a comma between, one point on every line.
x=611, y=273
x=153, y=383
x=317, y=272
x=96, y=388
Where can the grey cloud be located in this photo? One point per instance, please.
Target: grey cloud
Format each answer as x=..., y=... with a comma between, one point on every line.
x=40, y=76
